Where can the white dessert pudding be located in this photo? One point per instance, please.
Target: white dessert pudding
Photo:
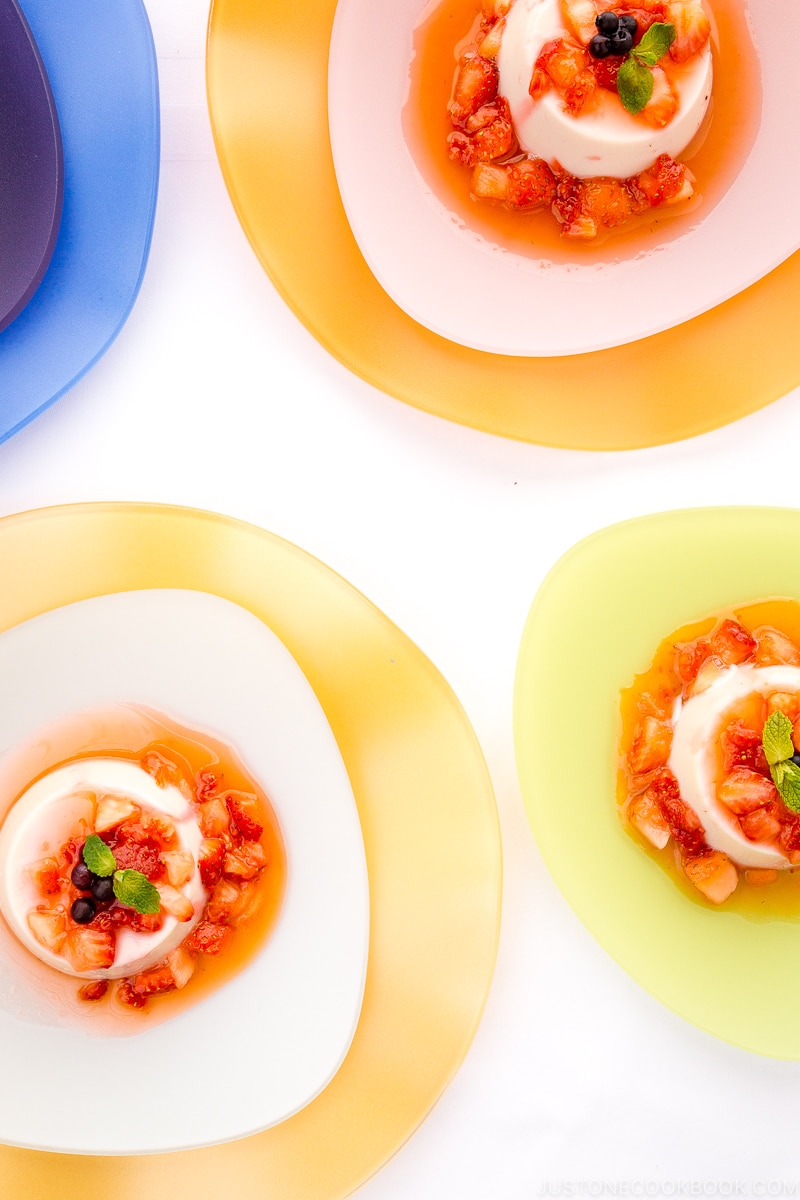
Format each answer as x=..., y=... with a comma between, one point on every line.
x=604, y=139
x=96, y=795
x=693, y=759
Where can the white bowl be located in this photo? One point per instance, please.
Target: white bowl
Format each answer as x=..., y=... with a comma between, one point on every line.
x=283, y=1024
x=457, y=284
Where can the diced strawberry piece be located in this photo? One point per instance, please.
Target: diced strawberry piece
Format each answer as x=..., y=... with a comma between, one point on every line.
x=690, y=656
x=114, y=918
x=692, y=29
x=789, y=836
x=774, y=648
x=606, y=201
x=157, y=828
x=89, y=949
x=46, y=875
x=214, y=818
x=136, y=850
x=94, y=990
x=580, y=15
x=490, y=38
x=49, y=927
x=112, y=811
x=182, y=965
x=223, y=903
x=175, y=903
x=731, y=643
x=683, y=822
x=241, y=820
x=762, y=825
x=491, y=182
x=212, y=854
x=713, y=874
x=162, y=769
x=644, y=813
x=524, y=185
x=709, y=673
x=567, y=65
x=532, y=184
x=206, y=784
x=246, y=861
x=646, y=13
x=491, y=131
x=475, y=85
x=759, y=876
x=741, y=747
x=145, y=922
x=744, y=790
x=652, y=742
x=666, y=183
x=179, y=866
x=207, y=938
x=606, y=71
x=663, y=103
x=786, y=702
x=153, y=982
x=129, y=996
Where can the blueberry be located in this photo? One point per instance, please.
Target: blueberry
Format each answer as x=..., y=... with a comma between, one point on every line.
x=102, y=889
x=628, y=21
x=599, y=46
x=83, y=910
x=81, y=876
x=607, y=23
x=796, y=759
x=621, y=42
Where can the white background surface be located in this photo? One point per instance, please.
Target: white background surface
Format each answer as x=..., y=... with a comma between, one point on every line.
x=215, y=396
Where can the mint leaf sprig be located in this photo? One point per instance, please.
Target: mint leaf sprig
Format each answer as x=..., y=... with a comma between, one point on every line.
x=131, y=888
x=776, y=738
x=635, y=78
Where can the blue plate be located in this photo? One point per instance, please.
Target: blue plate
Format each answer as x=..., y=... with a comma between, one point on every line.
x=100, y=60
x=31, y=165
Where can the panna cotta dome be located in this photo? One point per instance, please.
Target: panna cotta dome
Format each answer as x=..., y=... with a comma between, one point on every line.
x=605, y=140
x=44, y=818
x=692, y=759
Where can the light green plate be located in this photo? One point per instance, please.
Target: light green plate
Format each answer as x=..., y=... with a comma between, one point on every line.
x=595, y=623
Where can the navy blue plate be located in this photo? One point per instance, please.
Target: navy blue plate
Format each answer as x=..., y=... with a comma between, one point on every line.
x=100, y=59
x=31, y=164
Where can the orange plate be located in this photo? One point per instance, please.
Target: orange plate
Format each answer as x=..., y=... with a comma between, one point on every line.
x=267, y=81
x=430, y=831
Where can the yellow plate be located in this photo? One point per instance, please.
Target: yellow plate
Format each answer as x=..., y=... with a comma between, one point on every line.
x=430, y=830
x=595, y=623
x=267, y=83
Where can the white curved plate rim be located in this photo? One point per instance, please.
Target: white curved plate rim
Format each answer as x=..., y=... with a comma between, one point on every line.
x=435, y=269
x=286, y=1020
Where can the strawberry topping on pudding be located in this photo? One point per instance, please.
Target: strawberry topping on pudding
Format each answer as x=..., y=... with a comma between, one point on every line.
x=583, y=107
x=711, y=757
x=127, y=873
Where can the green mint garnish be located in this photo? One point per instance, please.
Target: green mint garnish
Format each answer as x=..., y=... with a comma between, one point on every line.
x=776, y=738
x=789, y=786
x=655, y=43
x=635, y=77
x=135, y=890
x=98, y=857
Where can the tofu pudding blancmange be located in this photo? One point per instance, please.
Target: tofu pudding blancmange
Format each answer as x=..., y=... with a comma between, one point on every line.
x=136, y=869
x=710, y=765
x=607, y=139
x=582, y=107
x=99, y=794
